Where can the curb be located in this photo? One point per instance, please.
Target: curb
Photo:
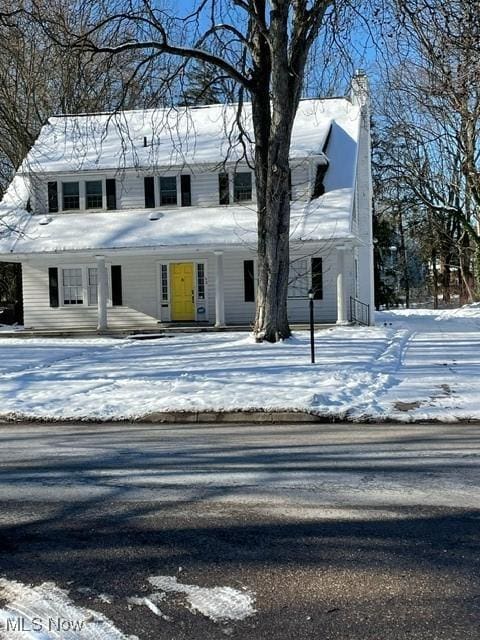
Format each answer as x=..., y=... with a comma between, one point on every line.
x=232, y=417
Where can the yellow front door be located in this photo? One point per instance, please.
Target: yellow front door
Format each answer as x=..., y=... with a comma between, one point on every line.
x=182, y=291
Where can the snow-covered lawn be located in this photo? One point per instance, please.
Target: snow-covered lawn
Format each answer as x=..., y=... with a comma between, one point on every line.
x=416, y=364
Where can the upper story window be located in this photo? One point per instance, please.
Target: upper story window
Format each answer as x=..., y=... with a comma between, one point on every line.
x=242, y=186
x=93, y=194
x=168, y=190
x=71, y=195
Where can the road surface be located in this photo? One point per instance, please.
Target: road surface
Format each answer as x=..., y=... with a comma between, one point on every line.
x=348, y=532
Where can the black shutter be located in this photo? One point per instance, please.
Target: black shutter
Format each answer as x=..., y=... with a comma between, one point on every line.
x=317, y=278
x=223, y=189
x=110, y=185
x=149, y=186
x=186, y=189
x=248, y=281
x=52, y=197
x=53, y=286
x=117, y=298
x=319, y=187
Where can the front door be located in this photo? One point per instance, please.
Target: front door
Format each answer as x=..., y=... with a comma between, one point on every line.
x=182, y=291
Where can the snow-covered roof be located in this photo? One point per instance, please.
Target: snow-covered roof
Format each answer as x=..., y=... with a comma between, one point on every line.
x=175, y=136
x=321, y=219
x=62, y=143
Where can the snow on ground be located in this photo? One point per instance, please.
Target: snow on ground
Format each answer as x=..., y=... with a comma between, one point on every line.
x=45, y=612
x=415, y=364
x=217, y=603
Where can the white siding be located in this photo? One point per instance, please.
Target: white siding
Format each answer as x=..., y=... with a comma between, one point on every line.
x=301, y=180
x=141, y=301
x=139, y=298
x=325, y=310
x=130, y=186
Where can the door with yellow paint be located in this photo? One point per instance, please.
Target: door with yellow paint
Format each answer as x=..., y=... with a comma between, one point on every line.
x=182, y=291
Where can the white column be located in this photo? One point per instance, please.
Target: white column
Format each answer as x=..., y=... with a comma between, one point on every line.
x=341, y=306
x=219, y=290
x=102, y=293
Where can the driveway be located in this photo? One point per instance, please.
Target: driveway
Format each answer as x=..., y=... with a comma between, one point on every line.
x=311, y=531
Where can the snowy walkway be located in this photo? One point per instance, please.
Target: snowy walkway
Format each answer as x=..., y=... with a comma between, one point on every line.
x=413, y=365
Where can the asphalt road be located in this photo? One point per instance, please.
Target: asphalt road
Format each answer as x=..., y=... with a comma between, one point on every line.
x=347, y=532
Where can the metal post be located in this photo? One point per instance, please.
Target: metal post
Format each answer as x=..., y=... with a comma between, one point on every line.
x=312, y=337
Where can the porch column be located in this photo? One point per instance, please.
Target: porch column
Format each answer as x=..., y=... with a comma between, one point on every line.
x=102, y=293
x=341, y=306
x=219, y=290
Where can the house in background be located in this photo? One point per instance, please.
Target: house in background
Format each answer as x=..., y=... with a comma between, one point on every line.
x=140, y=218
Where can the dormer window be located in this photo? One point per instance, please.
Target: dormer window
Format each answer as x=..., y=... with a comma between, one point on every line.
x=71, y=195
x=168, y=190
x=93, y=194
x=242, y=186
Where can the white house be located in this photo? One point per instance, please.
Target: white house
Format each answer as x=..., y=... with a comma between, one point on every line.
x=141, y=218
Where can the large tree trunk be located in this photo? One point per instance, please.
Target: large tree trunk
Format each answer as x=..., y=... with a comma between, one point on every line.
x=273, y=113
x=272, y=174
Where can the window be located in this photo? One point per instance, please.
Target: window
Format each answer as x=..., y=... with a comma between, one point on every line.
x=93, y=194
x=111, y=193
x=242, y=187
x=72, y=286
x=168, y=190
x=52, y=197
x=92, y=285
x=223, y=189
x=186, y=190
x=71, y=195
x=317, y=278
x=164, y=284
x=79, y=285
x=248, y=281
x=298, y=284
x=200, y=281
x=149, y=189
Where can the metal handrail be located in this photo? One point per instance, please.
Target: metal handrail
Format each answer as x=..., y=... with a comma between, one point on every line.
x=359, y=312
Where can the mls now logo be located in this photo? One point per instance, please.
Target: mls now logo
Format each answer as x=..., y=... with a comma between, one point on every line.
x=25, y=625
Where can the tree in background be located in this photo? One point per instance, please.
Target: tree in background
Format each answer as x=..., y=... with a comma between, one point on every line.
x=430, y=136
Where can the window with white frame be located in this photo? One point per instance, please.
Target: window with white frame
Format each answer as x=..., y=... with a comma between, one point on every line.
x=168, y=190
x=93, y=194
x=242, y=186
x=92, y=282
x=298, y=279
x=79, y=285
x=200, y=281
x=164, y=282
x=72, y=286
x=71, y=195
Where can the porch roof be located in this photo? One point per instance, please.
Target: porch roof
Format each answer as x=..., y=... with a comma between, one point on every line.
x=325, y=218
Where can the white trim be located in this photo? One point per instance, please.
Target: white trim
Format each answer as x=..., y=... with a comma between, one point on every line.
x=164, y=310
x=81, y=179
x=84, y=267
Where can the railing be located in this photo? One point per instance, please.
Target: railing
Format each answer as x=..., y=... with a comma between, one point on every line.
x=359, y=312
